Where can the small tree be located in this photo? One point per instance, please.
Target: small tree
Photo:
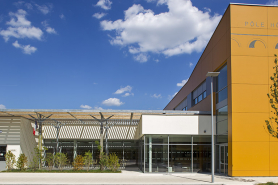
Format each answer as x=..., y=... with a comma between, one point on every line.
x=103, y=161
x=103, y=158
x=78, y=162
x=113, y=162
x=10, y=160
x=37, y=159
x=21, y=162
x=273, y=100
x=49, y=160
x=88, y=159
x=60, y=160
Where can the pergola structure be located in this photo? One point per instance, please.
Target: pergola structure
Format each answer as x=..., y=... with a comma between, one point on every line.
x=55, y=119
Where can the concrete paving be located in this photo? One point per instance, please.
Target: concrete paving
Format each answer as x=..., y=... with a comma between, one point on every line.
x=126, y=177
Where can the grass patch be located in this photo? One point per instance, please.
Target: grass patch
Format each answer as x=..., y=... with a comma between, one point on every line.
x=268, y=183
x=63, y=171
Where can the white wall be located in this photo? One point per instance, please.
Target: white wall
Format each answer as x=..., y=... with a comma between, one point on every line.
x=175, y=125
x=15, y=149
x=159, y=124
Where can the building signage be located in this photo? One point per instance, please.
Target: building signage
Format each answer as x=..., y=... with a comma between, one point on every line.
x=259, y=24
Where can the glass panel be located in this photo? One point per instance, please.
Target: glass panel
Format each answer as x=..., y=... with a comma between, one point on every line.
x=204, y=94
x=222, y=114
x=222, y=95
x=178, y=139
x=201, y=139
x=180, y=158
x=201, y=158
x=222, y=78
x=157, y=139
x=2, y=153
x=222, y=139
x=160, y=158
x=200, y=98
x=222, y=127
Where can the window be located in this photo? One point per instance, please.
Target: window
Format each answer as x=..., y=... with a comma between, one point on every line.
x=199, y=93
x=182, y=105
x=222, y=93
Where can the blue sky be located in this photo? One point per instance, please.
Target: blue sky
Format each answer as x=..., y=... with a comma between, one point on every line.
x=102, y=54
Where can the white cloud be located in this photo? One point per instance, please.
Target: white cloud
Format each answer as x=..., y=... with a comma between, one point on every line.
x=112, y=102
x=142, y=57
x=2, y=106
x=98, y=108
x=183, y=29
x=104, y=4
x=156, y=96
x=51, y=30
x=172, y=96
x=190, y=64
x=62, y=16
x=207, y=9
x=272, y=2
x=45, y=9
x=123, y=89
x=20, y=27
x=128, y=94
x=29, y=6
x=99, y=15
x=182, y=83
x=85, y=107
x=156, y=60
x=27, y=49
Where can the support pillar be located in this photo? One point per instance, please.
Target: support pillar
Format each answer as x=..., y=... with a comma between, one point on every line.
x=150, y=153
x=74, y=149
x=40, y=141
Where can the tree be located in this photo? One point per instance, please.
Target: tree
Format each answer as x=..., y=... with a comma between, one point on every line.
x=10, y=160
x=37, y=159
x=60, y=160
x=21, y=162
x=272, y=122
x=103, y=158
x=78, y=162
x=49, y=159
x=113, y=162
x=88, y=159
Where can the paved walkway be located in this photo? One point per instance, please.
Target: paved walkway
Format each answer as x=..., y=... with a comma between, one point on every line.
x=126, y=177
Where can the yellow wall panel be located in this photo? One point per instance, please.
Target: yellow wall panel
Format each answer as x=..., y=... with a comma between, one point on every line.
x=249, y=127
x=274, y=156
x=250, y=69
x=273, y=173
x=272, y=18
x=248, y=16
x=246, y=42
x=250, y=156
x=244, y=98
x=251, y=173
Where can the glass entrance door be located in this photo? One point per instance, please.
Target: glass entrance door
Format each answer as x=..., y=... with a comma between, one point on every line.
x=223, y=159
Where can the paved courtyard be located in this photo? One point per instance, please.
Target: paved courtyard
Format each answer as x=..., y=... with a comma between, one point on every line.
x=126, y=177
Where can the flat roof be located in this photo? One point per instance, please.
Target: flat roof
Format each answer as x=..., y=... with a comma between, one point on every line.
x=81, y=114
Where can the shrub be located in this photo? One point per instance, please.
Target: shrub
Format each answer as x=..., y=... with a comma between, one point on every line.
x=103, y=160
x=78, y=162
x=113, y=162
x=60, y=160
x=88, y=159
x=49, y=159
x=21, y=162
x=10, y=160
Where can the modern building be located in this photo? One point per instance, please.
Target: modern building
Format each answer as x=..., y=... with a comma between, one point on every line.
x=242, y=49
x=177, y=139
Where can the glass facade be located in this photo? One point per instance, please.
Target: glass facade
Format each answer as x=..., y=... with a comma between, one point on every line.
x=221, y=155
x=174, y=153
